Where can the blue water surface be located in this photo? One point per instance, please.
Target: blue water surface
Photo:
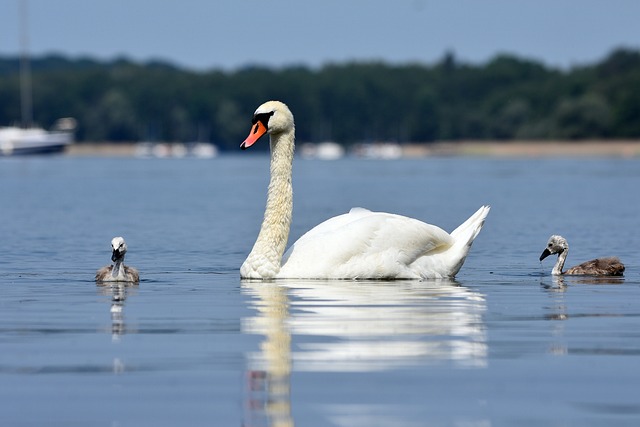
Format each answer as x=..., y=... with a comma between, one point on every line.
x=503, y=344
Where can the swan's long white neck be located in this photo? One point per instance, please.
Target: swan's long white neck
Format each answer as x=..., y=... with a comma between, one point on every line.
x=562, y=257
x=265, y=258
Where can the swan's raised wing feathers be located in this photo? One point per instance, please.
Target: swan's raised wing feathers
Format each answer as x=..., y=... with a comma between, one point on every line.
x=363, y=244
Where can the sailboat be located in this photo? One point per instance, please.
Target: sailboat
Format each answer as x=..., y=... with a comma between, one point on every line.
x=28, y=138
x=15, y=140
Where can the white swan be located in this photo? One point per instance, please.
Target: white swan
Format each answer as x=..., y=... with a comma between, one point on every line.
x=358, y=245
x=118, y=272
x=610, y=266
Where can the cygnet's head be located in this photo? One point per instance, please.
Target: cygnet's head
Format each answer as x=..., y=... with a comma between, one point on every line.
x=119, y=247
x=272, y=117
x=555, y=245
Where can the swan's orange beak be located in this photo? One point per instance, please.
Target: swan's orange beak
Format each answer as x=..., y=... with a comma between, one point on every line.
x=257, y=130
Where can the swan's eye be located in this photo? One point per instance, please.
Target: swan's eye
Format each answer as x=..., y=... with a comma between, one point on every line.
x=263, y=117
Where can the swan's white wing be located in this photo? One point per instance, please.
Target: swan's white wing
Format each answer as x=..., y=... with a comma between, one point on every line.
x=333, y=224
x=363, y=244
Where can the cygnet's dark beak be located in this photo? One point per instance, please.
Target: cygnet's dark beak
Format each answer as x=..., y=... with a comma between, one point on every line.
x=545, y=254
x=116, y=255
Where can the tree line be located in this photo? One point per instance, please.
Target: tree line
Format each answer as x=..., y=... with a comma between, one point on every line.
x=506, y=98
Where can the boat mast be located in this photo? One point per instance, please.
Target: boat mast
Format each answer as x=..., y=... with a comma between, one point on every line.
x=26, y=108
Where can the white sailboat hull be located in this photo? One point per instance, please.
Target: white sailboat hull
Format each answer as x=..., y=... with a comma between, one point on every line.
x=19, y=141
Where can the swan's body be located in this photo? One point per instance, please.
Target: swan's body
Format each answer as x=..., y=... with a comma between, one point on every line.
x=118, y=272
x=610, y=266
x=358, y=245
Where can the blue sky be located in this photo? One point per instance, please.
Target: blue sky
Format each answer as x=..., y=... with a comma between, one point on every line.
x=227, y=34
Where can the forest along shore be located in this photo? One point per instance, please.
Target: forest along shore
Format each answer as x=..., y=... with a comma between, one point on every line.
x=460, y=148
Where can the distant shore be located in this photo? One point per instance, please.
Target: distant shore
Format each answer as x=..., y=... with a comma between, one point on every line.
x=534, y=149
x=462, y=148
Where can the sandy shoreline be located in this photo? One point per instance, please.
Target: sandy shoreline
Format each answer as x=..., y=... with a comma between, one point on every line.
x=462, y=148
x=539, y=149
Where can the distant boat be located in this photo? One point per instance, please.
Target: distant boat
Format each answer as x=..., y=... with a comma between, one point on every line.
x=201, y=150
x=324, y=151
x=378, y=150
x=34, y=140
x=30, y=139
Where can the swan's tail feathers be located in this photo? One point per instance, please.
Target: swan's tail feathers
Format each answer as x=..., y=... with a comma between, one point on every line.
x=464, y=236
x=469, y=230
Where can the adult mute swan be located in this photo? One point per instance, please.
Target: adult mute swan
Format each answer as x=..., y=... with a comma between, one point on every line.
x=118, y=272
x=610, y=266
x=358, y=245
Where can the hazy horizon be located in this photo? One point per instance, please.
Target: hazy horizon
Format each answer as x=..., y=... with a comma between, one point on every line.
x=227, y=35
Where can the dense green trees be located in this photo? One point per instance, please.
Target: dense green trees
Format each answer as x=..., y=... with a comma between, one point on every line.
x=506, y=98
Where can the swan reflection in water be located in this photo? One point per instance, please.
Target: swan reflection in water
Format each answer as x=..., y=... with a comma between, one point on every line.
x=355, y=326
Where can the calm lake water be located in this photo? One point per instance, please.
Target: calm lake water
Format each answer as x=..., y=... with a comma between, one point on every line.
x=503, y=345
